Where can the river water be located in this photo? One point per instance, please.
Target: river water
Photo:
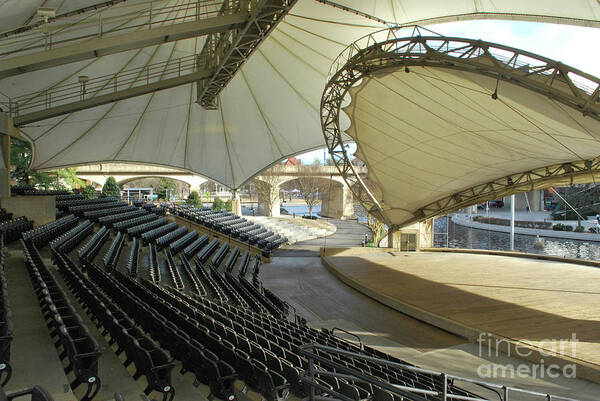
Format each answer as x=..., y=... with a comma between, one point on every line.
x=467, y=237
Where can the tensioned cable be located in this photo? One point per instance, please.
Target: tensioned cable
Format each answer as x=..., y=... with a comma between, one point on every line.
x=333, y=22
x=490, y=115
x=354, y=11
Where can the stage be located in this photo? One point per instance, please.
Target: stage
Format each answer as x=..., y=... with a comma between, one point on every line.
x=531, y=308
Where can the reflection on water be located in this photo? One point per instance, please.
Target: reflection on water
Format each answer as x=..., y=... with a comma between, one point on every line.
x=466, y=237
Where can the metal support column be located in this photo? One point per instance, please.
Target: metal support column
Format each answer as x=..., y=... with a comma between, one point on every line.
x=512, y=222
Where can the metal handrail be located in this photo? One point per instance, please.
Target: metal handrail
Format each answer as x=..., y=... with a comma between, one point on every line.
x=72, y=92
x=398, y=389
x=49, y=36
x=360, y=343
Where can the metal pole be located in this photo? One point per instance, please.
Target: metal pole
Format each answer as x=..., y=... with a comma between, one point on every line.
x=311, y=373
x=447, y=230
x=512, y=222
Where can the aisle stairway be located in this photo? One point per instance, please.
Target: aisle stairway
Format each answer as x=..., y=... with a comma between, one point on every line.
x=295, y=230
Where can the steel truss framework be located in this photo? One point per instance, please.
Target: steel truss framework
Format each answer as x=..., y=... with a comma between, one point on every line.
x=388, y=50
x=227, y=51
x=91, y=39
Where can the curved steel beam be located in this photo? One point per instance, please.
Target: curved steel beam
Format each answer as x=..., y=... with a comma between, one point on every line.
x=385, y=50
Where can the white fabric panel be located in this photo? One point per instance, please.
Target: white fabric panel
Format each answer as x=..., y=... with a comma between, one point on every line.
x=430, y=133
x=576, y=12
x=270, y=109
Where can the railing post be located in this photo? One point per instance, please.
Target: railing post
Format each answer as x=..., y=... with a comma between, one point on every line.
x=505, y=392
x=150, y=17
x=311, y=373
x=100, y=27
x=444, y=387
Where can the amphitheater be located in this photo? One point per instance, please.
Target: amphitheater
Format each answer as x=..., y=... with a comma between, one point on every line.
x=103, y=299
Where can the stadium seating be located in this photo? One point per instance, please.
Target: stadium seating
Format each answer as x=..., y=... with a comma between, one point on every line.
x=78, y=346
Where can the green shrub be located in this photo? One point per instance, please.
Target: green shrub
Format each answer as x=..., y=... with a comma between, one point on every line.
x=90, y=192
x=111, y=188
x=568, y=228
x=558, y=227
x=228, y=205
x=218, y=204
x=579, y=229
x=194, y=199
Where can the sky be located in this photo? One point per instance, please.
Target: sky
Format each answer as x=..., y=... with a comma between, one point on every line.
x=574, y=46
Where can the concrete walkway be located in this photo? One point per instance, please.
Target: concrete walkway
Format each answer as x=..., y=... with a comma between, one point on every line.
x=348, y=233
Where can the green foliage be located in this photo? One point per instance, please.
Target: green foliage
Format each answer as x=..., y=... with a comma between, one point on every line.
x=228, y=205
x=69, y=176
x=194, y=199
x=165, y=185
x=20, y=158
x=218, y=204
x=111, y=188
x=579, y=229
x=90, y=192
x=562, y=227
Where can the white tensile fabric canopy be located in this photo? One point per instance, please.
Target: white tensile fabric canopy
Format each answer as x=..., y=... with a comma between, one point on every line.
x=269, y=111
x=430, y=133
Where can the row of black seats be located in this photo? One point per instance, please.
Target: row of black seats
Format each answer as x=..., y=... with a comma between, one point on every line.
x=165, y=240
x=132, y=260
x=116, y=321
x=94, y=244
x=42, y=235
x=183, y=242
x=111, y=257
x=192, y=249
x=4, y=215
x=261, y=371
x=188, y=341
x=208, y=283
x=124, y=225
x=197, y=287
x=6, y=327
x=64, y=205
x=173, y=271
x=153, y=235
x=138, y=230
x=13, y=229
x=232, y=225
x=95, y=215
x=111, y=220
x=78, y=346
x=82, y=209
x=69, y=240
x=154, y=266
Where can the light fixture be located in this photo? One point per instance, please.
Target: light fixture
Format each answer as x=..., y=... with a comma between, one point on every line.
x=46, y=12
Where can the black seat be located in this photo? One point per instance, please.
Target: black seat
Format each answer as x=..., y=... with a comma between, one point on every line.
x=156, y=365
x=37, y=393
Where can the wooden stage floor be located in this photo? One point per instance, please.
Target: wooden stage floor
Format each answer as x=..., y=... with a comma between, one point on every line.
x=536, y=304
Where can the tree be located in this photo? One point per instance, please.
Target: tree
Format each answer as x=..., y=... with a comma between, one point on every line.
x=194, y=199
x=69, y=177
x=311, y=187
x=20, y=158
x=111, y=188
x=229, y=205
x=218, y=204
x=267, y=189
x=166, y=187
x=89, y=192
